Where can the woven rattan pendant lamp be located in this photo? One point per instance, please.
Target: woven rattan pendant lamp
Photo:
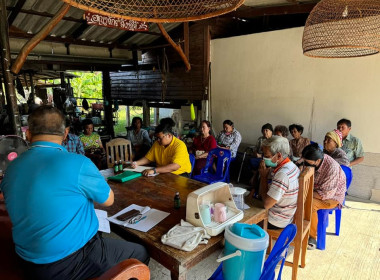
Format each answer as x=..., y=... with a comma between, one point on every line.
x=338, y=29
x=158, y=10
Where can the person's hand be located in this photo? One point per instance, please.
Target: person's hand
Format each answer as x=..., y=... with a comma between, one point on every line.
x=134, y=164
x=263, y=169
x=148, y=172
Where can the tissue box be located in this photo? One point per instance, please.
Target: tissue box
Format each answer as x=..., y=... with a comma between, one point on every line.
x=214, y=193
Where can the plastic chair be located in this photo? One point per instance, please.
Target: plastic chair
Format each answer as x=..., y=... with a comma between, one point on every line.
x=323, y=215
x=278, y=254
x=192, y=161
x=118, y=149
x=207, y=175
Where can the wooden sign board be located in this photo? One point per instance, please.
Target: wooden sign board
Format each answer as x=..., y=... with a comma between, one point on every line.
x=107, y=21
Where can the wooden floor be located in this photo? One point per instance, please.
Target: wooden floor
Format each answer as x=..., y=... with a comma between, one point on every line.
x=354, y=255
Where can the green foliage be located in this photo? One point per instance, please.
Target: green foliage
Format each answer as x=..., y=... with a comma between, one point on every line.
x=88, y=85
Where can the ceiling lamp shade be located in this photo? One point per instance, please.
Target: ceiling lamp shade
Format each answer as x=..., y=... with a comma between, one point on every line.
x=158, y=10
x=338, y=29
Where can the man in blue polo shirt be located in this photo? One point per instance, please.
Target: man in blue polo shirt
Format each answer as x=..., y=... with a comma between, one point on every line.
x=50, y=195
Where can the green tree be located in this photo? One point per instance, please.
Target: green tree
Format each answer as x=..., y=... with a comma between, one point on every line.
x=87, y=85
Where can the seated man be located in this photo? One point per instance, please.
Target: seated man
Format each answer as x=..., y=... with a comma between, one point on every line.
x=168, y=152
x=329, y=185
x=72, y=143
x=280, y=195
x=351, y=144
x=50, y=195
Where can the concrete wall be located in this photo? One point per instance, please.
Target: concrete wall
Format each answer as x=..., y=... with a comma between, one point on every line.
x=265, y=77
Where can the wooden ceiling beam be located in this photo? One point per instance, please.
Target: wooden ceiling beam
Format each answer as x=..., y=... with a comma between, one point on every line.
x=71, y=41
x=250, y=12
x=44, y=14
x=15, y=11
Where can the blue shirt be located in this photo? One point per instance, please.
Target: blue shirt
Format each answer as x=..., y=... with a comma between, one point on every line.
x=49, y=196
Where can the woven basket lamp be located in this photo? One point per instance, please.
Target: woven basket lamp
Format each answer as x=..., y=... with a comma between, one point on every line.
x=158, y=11
x=338, y=29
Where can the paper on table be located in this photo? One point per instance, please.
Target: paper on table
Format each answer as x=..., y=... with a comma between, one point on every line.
x=153, y=217
x=104, y=224
x=138, y=168
x=107, y=172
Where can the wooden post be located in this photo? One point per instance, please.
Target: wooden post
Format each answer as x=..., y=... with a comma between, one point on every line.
x=30, y=45
x=175, y=46
x=128, y=118
x=108, y=114
x=32, y=92
x=13, y=112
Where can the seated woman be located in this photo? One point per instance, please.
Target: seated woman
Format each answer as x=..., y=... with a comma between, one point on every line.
x=332, y=146
x=93, y=147
x=168, y=152
x=298, y=143
x=229, y=138
x=329, y=185
x=139, y=138
x=267, y=132
x=202, y=144
x=281, y=130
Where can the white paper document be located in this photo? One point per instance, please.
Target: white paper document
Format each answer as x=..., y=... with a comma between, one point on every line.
x=107, y=172
x=151, y=217
x=138, y=168
x=104, y=224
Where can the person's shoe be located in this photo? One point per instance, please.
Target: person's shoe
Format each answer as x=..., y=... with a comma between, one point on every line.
x=312, y=244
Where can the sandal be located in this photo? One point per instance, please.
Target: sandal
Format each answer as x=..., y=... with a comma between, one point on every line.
x=312, y=244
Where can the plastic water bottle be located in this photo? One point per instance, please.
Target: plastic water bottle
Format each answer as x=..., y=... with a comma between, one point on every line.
x=177, y=201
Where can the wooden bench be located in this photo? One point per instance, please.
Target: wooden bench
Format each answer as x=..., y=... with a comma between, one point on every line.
x=10, y=267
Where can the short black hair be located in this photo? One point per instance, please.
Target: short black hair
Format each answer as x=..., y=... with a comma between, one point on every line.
x=267, y=126
x=166, y=126
x=312, y=152
x=228, y=122
x=344, y=121
x=296, y=126
x=86, y=122
x=46, y=120
x=134, y=120
x=282, y=129
x=168, y=121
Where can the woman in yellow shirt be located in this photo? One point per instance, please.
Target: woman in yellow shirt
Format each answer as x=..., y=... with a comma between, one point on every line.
x=168, y=152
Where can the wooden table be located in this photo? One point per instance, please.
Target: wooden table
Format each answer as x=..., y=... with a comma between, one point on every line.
x=158, y=192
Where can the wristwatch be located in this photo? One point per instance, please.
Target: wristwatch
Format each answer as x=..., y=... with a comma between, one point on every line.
x=154, y=169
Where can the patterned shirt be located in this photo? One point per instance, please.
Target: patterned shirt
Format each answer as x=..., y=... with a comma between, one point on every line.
x=231, y=140
x=73, y=144
x=340, y=156
x=297, y=145
x=91, y=141
x=353, y=147
x=259, y=144
x=142, y=137
x=284, y=189
x=330, y=180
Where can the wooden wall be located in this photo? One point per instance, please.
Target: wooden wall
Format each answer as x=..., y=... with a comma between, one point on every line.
x=152, y=84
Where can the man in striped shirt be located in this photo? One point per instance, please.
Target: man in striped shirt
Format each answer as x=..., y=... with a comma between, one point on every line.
x=278, y=182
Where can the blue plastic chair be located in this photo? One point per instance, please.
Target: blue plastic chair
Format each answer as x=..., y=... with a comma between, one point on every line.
x=278, y=254
x=323, y=215
x=192, y=161
x=223, y=160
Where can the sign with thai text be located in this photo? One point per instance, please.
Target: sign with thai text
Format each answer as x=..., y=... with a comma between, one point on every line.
x=107, y=21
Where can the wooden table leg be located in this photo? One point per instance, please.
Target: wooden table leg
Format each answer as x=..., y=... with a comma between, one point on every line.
x=178, y=273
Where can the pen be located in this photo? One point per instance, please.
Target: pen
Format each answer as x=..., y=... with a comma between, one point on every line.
x=141, y=219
